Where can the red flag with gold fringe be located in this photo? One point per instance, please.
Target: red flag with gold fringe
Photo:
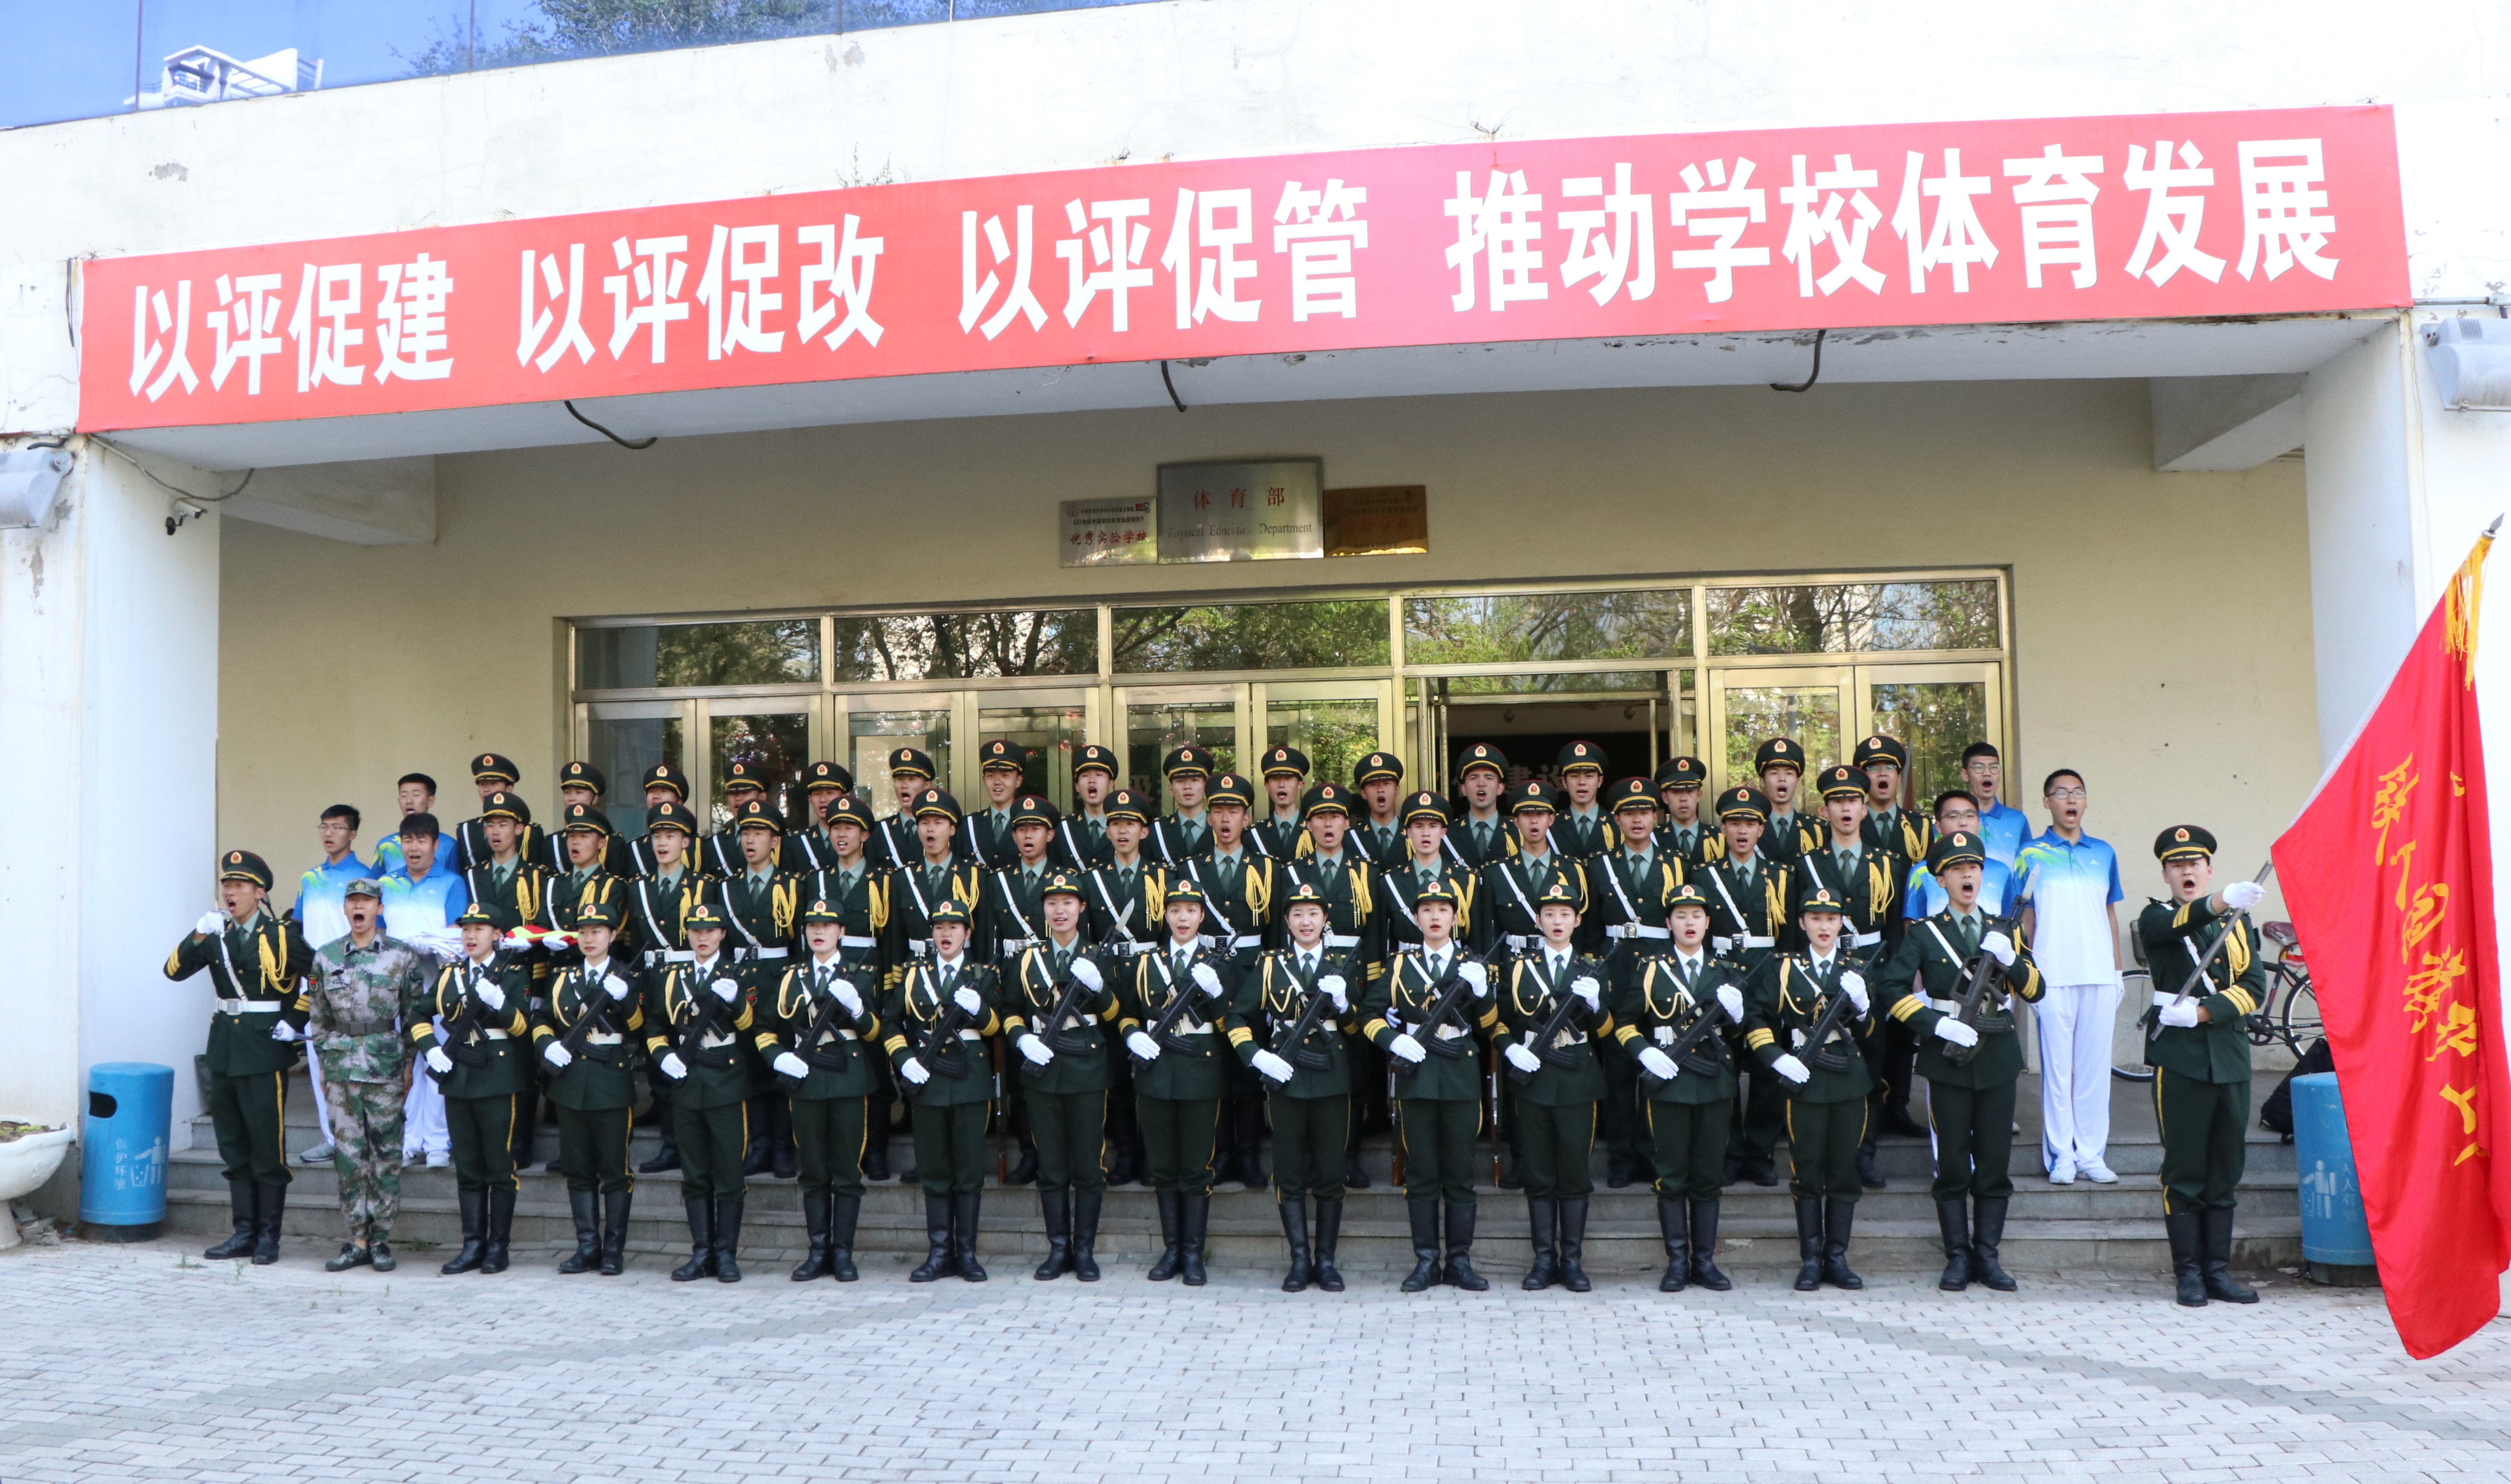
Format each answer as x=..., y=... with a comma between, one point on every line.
x=2389, y=876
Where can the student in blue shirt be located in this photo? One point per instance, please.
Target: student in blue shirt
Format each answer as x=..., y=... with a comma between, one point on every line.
x=1956, y=809
x=2004, y=829
x=322, y=917
x=422, y=901
x=2070, y=886
x=417, y=795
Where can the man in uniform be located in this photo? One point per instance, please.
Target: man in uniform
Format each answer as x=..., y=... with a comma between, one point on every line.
x=1175, y=1019
x=1584, y=828
x=1868, y=882
x=582, y=784
x=1426, y=863
x=895, y=843
x=1011, y=919
x=1685, y=835
x=1507, y=922
x=583, y=838
x=697, y=1018
x=935, y=1026
x=1438, y=1095
x=1748, y=914
x=421, y=901
x=1630, y=890
x=1479, y=834
x=1802, y=1019
x=985, y=834
x=1970, y=1062
x=1081, y=836
x=663, y=785
x=1297, y=1004
x=809, y=849
x=1356, y=929
x=1781, y=764
x=321, y=916
x=1687, y=1098
x=1183, y=833
x=858, y=891
x=503, y=875
x=745, y=783
x=933, y=876
x=1126, y=900
x=1378, y=778
x=256, y=959
x=762, y=905
x=494, y=774
x=1890, y=826
x=820, y=1032
x=1240, y=890
x=593, y=1010
x=2201, y=1056
x=1286, y=777
x=364, y=984
x=484, y=1001
x=658, y=904
x=1550, y=1014
x=1063, y=1065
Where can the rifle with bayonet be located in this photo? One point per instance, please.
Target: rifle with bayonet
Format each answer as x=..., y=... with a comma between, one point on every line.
x=1978, y=977
x=1163, y=1030
x=470, y=1018
x=1549, y=1033
x=594, y=995
x=1455, y=988
x=1290, y=1043
x=1058, y=1031
x=814, y=1044
x=941, y=1051
x=1707, y=1014
x=2233, y=920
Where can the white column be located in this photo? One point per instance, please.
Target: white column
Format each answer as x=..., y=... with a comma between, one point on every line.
x=2359, y=450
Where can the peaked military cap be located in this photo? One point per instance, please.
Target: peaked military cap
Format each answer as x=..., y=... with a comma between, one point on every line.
x=1002, y=754
x=1481, y=755
x=1744, y=803
x=1441, y=890
x=1558, y=892
x=823, y=911
x=1685, y=771
x=598, y=914
x=1779, y=752
x=1879, y=749
x=934, y=802
x=1304, y=891
x=1281, y=760
x=1955, y=849
x=585, y=817
x=671, y=814
x=665, y=776
x=1326, y=798
x=820, y=776
x=476, y=915
x=1126, y=804
x=705, y=914
x=755, y=814
x=1061, y=883
x=1230, y=788
x=2181, y=840
x=582, y=775
x=1185, y=889
x=502, y=805
x=1424, y=805
x=1579, y=754
x=912, y=762
x=1186, y=759
x=1687, y=894
x=1630, y=794
x=1820, y=899
x=846, y=805
x=495, y=767
x=1534, y=793
x=1033, y=809
x=1376, y=765
x=742, y=773
x=1095, y=756
x=1842, y=781
x=947, y=910
x=245, y=865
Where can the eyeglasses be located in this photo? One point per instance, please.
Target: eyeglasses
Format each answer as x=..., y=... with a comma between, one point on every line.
x=2064, y=795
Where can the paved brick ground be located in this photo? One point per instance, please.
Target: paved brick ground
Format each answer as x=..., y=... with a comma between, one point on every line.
x=140, y=1363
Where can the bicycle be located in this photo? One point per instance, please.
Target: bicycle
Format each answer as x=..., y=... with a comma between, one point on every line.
x=2287, y=1011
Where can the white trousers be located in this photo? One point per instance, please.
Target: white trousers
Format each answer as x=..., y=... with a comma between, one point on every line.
x=322, y=1105
x=422, y=1119
x=2076, y=1023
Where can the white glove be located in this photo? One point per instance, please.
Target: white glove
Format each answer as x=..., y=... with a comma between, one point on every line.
x=212, y=924
x=1586, y=988
x=1271, y=1066
x=282, y=1031
x=2242, y=895
x=1336, y=988
x=1405, y=1046
x=2000, y=948
x=1949, y=1029
x=790, y=1065
x=492, y=997
x=1657, y=1064
x=1793, y=1070
x=1731, y=1001
x=672, y=1067
x=442, y=1064
x=726, y=990
x=847, y=998
x=1037, y=1051
x=615, y=986
x=1853, y=985
x=1476, y=976
x=556, y=1056
x=1208, y=978
x=1523, y=1059
x=914, y=1073
x=967, y=1000
x=1143, y=1045
x=516, y=940
x=2183, y=1014
x=1088, y=974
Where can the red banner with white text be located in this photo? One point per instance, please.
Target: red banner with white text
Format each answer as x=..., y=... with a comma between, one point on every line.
x=2172, y=215
x=2389, y=875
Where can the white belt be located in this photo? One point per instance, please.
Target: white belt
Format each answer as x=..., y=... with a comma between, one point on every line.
x=1449, y=1031
x=2166, y=1000
x=1244, y=940
x=601, y=1037
x=249, y=1006
x=1187, y=1026
x=1954, y=1006
x=1011, y=946
x=858, y=942
x=970, y=1036
x=677, y=956
x=1517, y=940
x=1864, y=939
x=495, y=1035
x=848, y=1036
x=1567, y=1038
x=767, y=953
x=1664, y=1035
x=1747, y=940
x=1342, y=939
x=1636, y=930
x=1122, y=947
x=714, y=1038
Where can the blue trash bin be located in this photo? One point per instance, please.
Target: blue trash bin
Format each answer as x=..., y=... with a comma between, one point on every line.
x=122, y=1165
x=2335, y=1237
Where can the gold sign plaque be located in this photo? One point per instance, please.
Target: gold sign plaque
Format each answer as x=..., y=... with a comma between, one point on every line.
x=1379, y=520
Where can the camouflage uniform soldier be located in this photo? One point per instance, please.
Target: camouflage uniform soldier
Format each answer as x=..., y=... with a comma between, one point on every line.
x=364, y=985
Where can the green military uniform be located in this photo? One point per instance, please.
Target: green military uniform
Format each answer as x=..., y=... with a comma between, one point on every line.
x=1687, y=1113
x=1630, y=888
x=820, y=1031
x=1695, y=843
x=254, y=971
x=568, y=893
x=1010, y=919
x=657, y=909
x=641, y=850
x=357, y=1000
x=616, y=859
x=1970, y=1088
x=764, y=909
x=1178, y=837
x=1583, y=834
x=479, y=1062
x=1177, y=1085
x=1310, y=1076
x=1509, y=888
x=601, y=1009
x=1401, y=883
x=1556, y=1095
x=471, y=837
x=1081, y=837
x=1748, y=922
x=1283, y=835
x=860, y=894
x=1794, y=832
x=1792, y=996
x=1868, y=881
x=936, y=1043
x=1438, y=1096
x=1066, y=1090
x=893, y=842
x=1382, y=843
x=1474, y=843
x=698, y=1022
x=810, y=849
x=1354, y=927
x=1124, y=907
x=918, y=888
x=1240, y=893
x=2201, y=1080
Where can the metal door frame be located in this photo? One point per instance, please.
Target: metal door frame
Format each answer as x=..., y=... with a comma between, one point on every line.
x=971, y=704
x=811, y=706
x=1713, y=704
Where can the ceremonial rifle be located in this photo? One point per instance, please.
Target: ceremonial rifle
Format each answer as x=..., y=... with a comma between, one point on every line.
x=1060, y=1036
x=1455, y=987
x=2197, y=976
x=941, y=1051
x=1559, y=1057
x=1979, y=974
x=1291, y=1041
x=1162, y=1030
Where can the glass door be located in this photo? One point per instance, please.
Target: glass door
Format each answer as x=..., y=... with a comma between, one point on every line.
x=773, y=736
x=1052, y=724
x=625, y=738
x=1749, y=706
x=1936, y=710
x=1160, y=718
x=1334, y=722
x=873, y=726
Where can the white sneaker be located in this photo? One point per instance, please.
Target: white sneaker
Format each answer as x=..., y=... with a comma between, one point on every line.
x=320, y=1154
x=2062, y=1173
x=2099, y=1173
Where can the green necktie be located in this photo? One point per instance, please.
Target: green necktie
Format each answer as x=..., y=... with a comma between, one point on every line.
x=1847, y=867
x=1124, y=880
x=845, y=884
x=1969, y=934
x=1481, y=837
x=1062, y=961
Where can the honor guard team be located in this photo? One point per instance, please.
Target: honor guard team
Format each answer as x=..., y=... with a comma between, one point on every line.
x=1138, y=995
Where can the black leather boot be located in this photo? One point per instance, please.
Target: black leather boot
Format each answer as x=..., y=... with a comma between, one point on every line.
x=1573, y=1245
x=667, y=1157
x=1677, y=1247
x=727, y=1238
x=581, y=1207
x=501, y=1227
x=963, y=1231
x=782, y=1159
x=614, y=1232
x=1056, y=1208
x=1171, y=1219
x=1424, y=1215
x=1460, y=1272
x=844, y=1210
x=1295, y=1228
x=1810, y=1243
x=942, y=1260
x=1023, y=1170
x=877, y=1129
x=1543, y=1219
x=1988, y=1228
x=1952, y=1221
x=701, y=1263
x=2187, y=1253
x=1194, y=1219
x=2215, y=1270
x=754, y=1159
x=1867, y=1174
x=475, y=1205
x=1085, y=1234
x=270, y=1210
x=1837, y=1218
x=1704, y=1248
x=1329, y=1237
x=815, y=1221
x=243, y=1206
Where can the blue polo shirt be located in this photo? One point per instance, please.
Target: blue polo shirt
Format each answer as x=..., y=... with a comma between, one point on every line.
x=1926, y=898
x=2071, y=885
x=321, y=894
x=421, y=912
x=2003, y=829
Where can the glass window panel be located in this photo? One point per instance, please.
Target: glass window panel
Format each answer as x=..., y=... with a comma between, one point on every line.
x=1780, y=621
x=1334, y=734
x=624, y=741
x=1959, y=615
x=1152, y=729
x=1574, y=683
x=1051, y=734
x=1935, y=719
x=1231, y=636
x=777, y=744
x=1835, y=618
x=1756, y=713
x=776, y=652
x=956, y=646
x=1639, y=624
x=872, y=735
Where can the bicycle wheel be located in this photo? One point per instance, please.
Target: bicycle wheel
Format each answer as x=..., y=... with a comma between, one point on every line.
x=2298, y=1019
x=2127, y=1027
x=2259, y=1026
